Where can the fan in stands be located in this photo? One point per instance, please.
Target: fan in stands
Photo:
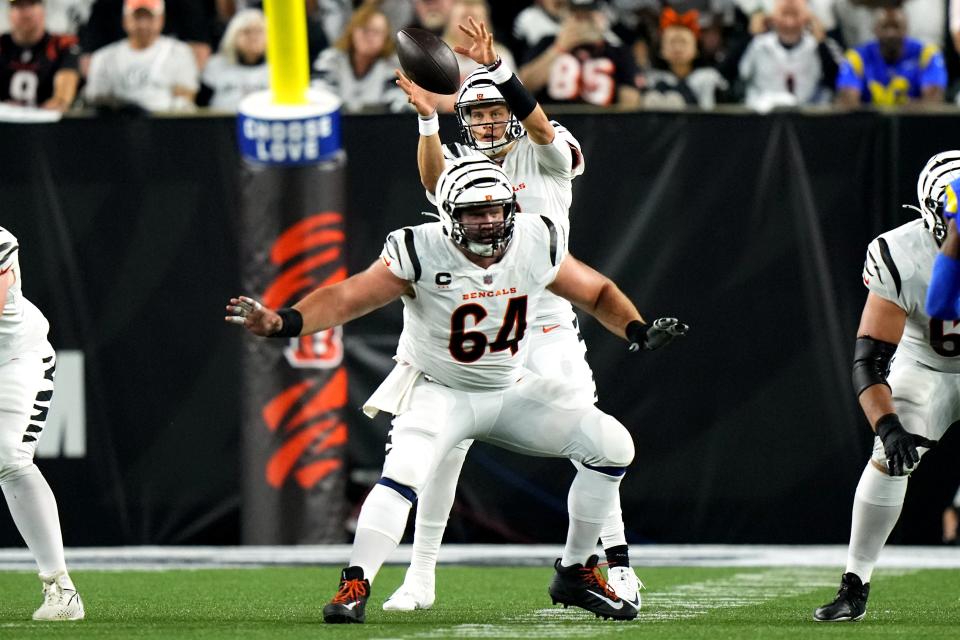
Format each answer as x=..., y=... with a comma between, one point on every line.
x=428, y=61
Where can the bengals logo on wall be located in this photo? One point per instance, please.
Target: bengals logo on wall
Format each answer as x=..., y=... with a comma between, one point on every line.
x=306, y=253
x=306, y=414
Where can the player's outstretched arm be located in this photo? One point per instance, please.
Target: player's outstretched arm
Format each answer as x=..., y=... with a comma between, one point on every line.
x=521, y=102
x=597, y=294
x=323, y=308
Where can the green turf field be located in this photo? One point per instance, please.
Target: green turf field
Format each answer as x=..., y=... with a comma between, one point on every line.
x=485, y=602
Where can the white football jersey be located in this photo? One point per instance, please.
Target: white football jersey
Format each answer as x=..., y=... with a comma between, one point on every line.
x=897, y=268
x=541, y=177
x=22, y=326
x=145, y=77
x=231, y=82
x=768, y=69
x=465, y=326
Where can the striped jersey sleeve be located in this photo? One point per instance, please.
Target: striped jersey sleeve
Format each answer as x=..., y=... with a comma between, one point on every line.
x=8, y=250
x=886, y=272
x=400, y=255
x=454, y=150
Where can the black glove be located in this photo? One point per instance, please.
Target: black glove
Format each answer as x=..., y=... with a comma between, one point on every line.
x=899, y=446
x=653, y=336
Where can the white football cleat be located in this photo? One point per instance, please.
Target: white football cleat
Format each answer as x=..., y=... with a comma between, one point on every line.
x=625, y=584
x=411, y=595
x=60, y=599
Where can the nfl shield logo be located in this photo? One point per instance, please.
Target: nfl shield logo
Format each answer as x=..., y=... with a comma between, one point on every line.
x=488, y=279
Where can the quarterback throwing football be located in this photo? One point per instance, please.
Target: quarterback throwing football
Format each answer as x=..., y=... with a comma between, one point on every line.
x=499, y=119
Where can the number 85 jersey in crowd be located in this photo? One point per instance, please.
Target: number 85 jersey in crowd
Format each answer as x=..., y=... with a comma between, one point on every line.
x=897, y=268
x=466, y=326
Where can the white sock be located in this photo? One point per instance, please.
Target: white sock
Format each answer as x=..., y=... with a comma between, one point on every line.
x=34, y=511
x=590, y=503
x=433, y=511
x=612, y=533
x=380, y=526
x=876, y=509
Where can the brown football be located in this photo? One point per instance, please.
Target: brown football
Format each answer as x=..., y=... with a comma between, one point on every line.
x=428, y=61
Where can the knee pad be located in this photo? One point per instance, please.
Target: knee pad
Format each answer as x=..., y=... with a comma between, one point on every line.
x=410, y=460
x=613, y=444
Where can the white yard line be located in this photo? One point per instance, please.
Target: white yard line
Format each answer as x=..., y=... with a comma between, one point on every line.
x=676, y=602
x=156, y=557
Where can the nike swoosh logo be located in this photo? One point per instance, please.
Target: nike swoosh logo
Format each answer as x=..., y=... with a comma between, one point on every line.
x=352, y=605
x=635, y=603
x=550, y=328
x=615, y=605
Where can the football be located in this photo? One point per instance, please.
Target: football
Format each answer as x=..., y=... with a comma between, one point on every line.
x=428, y=61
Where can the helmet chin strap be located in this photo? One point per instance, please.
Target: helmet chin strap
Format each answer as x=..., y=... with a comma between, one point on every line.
x=480, y=249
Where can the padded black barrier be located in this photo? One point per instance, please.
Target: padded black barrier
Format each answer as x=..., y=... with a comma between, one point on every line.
x=751, y=228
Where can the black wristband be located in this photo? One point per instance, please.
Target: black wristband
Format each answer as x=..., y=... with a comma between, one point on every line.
x=887, y=423
x=292, y=323
x=521, y=102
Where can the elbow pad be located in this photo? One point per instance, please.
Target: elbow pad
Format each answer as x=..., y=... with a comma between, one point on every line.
x=871, y=363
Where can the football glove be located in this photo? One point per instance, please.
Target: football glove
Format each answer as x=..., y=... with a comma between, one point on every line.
x=899, y=446
x=653, y=336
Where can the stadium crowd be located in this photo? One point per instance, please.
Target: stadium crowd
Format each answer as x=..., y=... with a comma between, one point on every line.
x=178, y=55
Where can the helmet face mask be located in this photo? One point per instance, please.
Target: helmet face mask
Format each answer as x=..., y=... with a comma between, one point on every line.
x=940, y=171
x=470, y=194
x=486, y=238
x=479, y=90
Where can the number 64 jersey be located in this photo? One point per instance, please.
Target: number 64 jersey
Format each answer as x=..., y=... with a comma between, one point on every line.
x=466, y=326
x=897, y=268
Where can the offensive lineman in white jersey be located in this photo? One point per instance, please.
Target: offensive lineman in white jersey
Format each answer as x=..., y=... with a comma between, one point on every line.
x=541, y=158
x=27, y=364
x=906, y=372
x=470, y=284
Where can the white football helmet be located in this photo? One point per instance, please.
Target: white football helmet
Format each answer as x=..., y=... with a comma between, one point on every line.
x=941, y=170
x=479, y=90
x=473, y=182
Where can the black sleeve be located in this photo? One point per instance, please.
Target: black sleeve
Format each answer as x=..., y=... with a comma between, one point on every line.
x=830, y=57
x=69, y=53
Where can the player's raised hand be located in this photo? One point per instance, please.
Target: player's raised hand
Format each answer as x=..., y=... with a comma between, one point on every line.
x=481, y=51
x=425, y=102
x=653, y=336
x=253, y=316
x=900, y=446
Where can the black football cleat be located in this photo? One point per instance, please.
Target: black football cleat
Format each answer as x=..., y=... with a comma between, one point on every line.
x=850, y=603
x=583, y=586
x=350, y=603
